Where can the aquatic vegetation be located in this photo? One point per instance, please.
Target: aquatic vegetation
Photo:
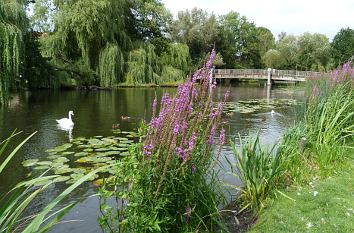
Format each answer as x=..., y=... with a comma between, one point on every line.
x=257, y=105
x=168, y=184
x=74, y=160
x=14, y=204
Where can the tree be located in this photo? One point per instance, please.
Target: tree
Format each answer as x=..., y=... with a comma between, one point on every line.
x=266, y=40
x=343, y=46
x=239, y=41
x=273, y=59
x=288, y=47
x=313, y=51
x=198, y=30
x=13, y=23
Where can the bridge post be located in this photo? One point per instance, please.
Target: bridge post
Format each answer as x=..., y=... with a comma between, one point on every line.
x=269, y=81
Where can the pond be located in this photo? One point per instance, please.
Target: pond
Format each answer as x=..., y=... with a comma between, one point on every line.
x=249, y=110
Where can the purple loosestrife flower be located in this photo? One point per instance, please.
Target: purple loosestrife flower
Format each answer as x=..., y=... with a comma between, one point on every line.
x=222, y=136
x=194, y=169
x=226, y=96
x=176, y=128
x=209, y=63
x=188, y=214
x=212, y=134
x=154, y=104
x=191, y=141
x=181, y=153
x=147, y=150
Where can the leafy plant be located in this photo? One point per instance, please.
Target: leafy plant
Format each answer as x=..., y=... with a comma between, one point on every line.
x=14, y=204
x=167, y=184
x=259, y=170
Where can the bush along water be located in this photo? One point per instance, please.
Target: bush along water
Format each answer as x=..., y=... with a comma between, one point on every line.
x=316, y=146
x=168, y=184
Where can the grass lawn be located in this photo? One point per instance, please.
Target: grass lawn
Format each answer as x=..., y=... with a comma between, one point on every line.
x=321, y=206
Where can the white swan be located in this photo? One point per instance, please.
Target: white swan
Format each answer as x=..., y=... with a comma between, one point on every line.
x=66, y=122
x=274, y=113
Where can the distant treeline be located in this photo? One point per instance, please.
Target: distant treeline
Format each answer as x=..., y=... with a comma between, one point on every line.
x=110, y=42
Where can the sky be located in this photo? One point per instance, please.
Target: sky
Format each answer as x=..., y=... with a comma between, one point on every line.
x=290, y=16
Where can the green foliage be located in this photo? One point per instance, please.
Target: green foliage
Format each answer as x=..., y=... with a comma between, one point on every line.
x=315, y=145
x=177, y=56
x=343, y=46
x=38, y=71
x=239, y=41
x=13, y=22
x=305, y=52
x=198, y=29
x=168, y=183
x=260, y=170
x=15, y=203
x=111, y=65
x=273, y=59
x=141, y=65
x=266, y=40
x=171, y=75
x=20, y=197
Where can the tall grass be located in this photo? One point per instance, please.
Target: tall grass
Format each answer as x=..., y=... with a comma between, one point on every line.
x=315, y=146
x=14, y=204
x=259, y=169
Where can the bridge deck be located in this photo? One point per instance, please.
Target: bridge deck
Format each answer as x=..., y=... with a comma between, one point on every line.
x=261, y=74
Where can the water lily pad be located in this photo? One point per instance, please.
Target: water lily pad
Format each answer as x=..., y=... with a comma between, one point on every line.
x=29, y=162
x=44, y=163
x=103, y=149
x=80, y=154
x=68, y=153
x=43, y=167
x=122, y=148
x=79, y=170
x=62, y=170
x=61, y=160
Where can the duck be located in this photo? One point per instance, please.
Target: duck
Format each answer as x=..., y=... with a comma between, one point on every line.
x=66, y=122
x=115, y=126
x=230, y=114
x=126, y=118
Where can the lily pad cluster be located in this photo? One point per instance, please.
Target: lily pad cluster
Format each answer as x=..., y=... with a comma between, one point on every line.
x=73, y=160
x=255, y=105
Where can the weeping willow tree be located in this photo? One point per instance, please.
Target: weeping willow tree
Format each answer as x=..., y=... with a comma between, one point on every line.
x=111, y=65
x=142, y=65
x=177, y=56
x=12, y=24
x=175, y=63
x=88, y=35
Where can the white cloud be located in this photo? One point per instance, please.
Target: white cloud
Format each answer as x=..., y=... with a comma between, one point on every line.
x=295, y=16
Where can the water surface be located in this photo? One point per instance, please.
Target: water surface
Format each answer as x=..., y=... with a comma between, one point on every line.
x=96, y=112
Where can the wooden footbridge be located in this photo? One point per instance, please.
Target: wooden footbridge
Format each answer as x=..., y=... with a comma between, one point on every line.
x=271, y=75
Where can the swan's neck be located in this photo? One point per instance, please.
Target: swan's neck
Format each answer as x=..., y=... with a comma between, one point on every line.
x=69, y=116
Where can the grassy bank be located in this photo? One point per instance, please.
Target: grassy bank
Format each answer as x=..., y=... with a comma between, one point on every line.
x=305, y=183
x=323, y=205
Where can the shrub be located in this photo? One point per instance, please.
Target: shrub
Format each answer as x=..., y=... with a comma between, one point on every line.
x=167, y=185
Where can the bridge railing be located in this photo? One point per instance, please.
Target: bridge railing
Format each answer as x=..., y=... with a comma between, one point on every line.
x=264, y=72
